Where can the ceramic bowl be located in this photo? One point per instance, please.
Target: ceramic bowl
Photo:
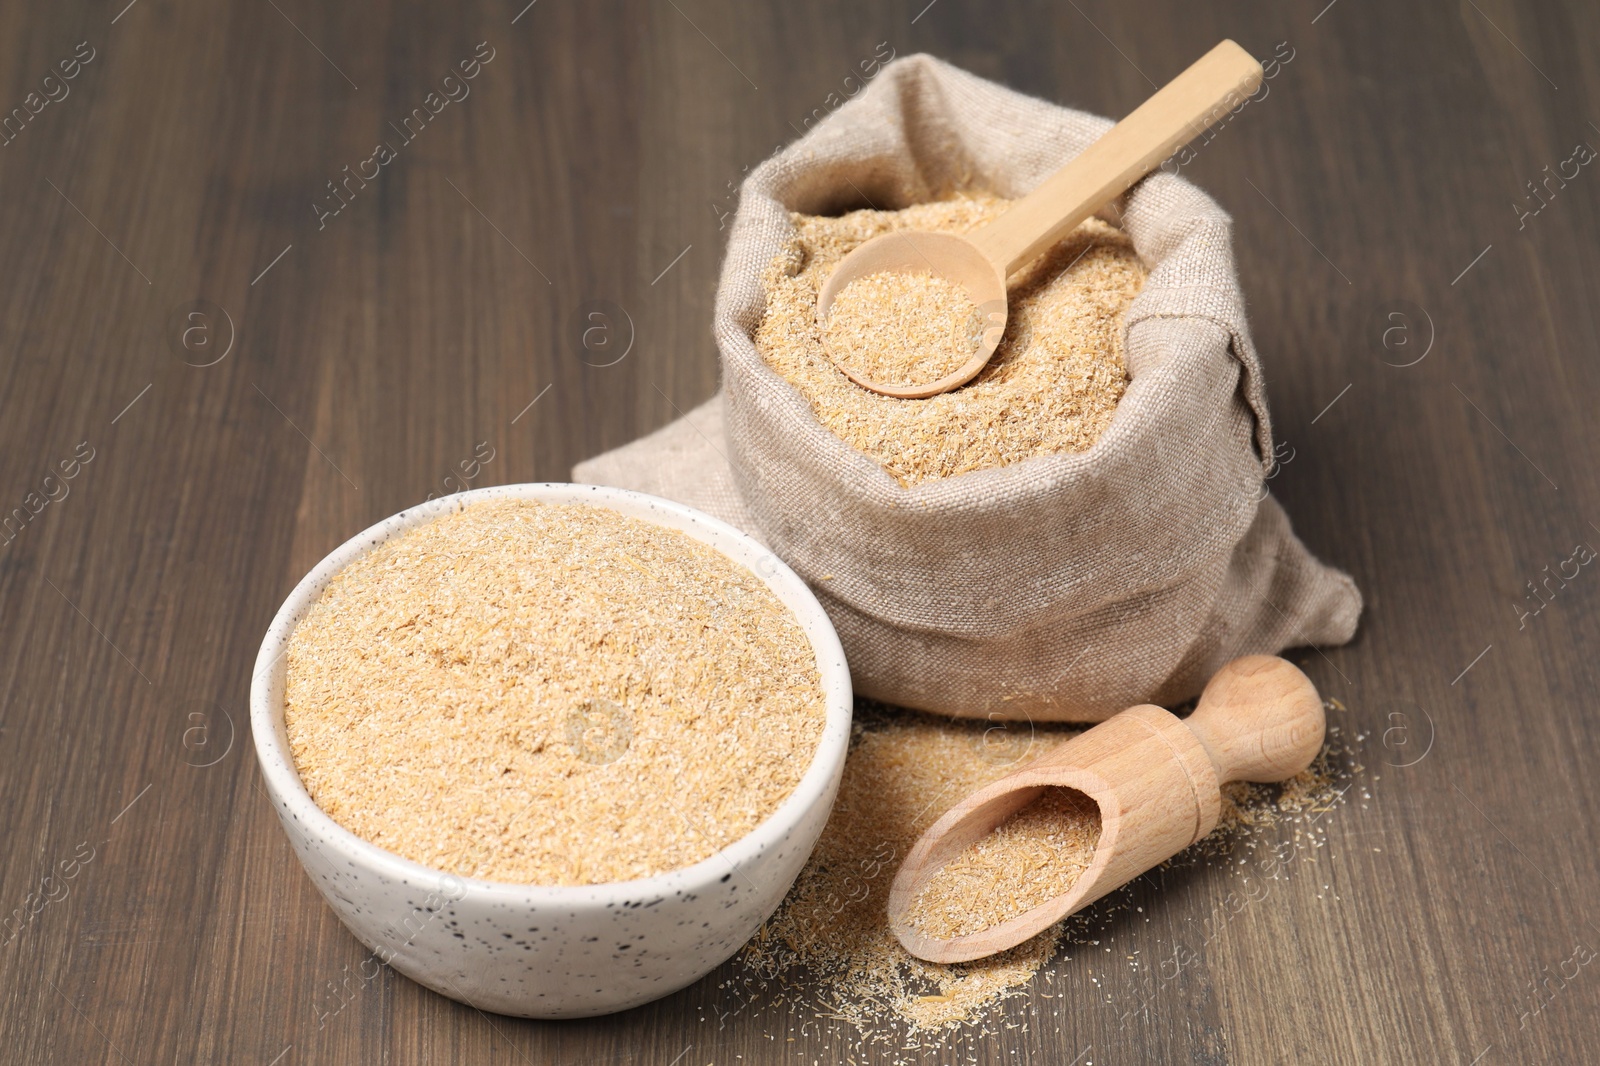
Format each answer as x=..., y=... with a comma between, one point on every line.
x=555, y=952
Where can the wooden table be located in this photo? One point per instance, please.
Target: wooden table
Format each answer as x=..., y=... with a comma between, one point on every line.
x=242, y=366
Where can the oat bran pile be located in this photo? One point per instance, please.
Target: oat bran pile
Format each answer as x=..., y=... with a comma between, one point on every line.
x=1052, y=385
x=550, y=694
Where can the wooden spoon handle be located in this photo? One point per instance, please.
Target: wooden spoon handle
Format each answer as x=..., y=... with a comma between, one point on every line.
x=1175, y=115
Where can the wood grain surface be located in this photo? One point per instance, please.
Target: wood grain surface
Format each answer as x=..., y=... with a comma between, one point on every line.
x=1429, y=331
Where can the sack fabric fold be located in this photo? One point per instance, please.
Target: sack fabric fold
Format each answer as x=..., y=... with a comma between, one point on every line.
x=1063, y=587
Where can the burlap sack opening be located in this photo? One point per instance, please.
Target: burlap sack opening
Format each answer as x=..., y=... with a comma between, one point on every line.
x=1065, y=587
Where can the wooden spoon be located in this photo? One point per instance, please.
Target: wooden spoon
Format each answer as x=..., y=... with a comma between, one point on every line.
x=1156, y=779
x=981, y=261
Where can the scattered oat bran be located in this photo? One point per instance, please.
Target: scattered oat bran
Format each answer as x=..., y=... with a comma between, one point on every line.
x=550, y=694
x=830, y=946
x=1051, y=387
x=1035, y=855
x=902, y=329
x=904, y=770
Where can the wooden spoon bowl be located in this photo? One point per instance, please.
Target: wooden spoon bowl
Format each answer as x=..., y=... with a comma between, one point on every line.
x=980, y=262
x=947, y=255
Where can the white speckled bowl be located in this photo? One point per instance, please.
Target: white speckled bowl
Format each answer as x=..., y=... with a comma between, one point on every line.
x=544, y=952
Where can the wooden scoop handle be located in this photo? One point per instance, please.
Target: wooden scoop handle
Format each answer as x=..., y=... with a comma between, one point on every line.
x=1183, y=109
x=1259, y=719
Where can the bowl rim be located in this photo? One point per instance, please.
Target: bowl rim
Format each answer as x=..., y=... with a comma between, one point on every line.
x=816, y=785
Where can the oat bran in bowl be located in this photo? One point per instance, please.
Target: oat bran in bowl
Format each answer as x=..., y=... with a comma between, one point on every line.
x=534, y=793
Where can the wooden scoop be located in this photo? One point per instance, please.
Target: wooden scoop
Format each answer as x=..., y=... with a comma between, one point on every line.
x=981, y=261
x=1156, y=778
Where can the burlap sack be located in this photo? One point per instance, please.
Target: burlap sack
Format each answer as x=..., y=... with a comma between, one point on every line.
x=1063, y=587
